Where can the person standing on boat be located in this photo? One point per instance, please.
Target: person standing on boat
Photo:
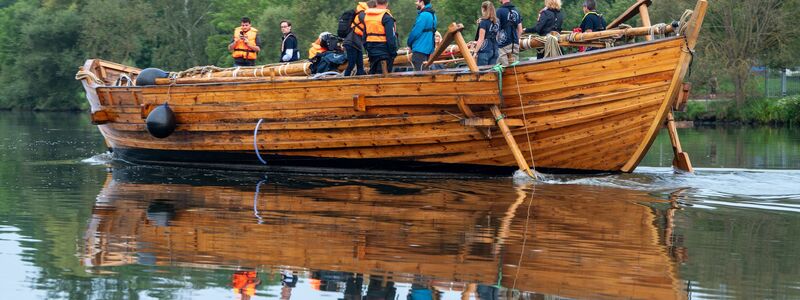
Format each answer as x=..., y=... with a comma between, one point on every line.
x=510, y=29
x=245, y=44
x=288, y=43
x=381, y=38
x=592, y=21
x=486, y=49
x=550, y=19
x=354, y=40
x=421, y=40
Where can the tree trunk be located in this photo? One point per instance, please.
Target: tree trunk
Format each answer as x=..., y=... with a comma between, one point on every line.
x=740, y=78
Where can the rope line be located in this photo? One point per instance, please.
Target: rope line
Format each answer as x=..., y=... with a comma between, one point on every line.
x=255, y=141
x=524, y=118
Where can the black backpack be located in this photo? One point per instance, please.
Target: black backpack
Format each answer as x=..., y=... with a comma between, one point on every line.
x=331, y=42
x=345, y=21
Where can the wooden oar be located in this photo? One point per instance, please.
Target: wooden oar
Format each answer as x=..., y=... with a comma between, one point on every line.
x=681, y=160
x=454, y=30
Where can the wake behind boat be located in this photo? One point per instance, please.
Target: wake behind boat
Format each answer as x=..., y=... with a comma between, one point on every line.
x=594, y=111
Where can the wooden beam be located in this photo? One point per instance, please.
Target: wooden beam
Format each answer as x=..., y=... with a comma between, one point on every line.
x=100, y=117
x=584, y=37
x=683, y=97
x=359, y=104
x=643, y=12
x=696, y=22
x=446, y=41
x=512, y=144
x=487, y=122
x=629, y=13
x=465, y=53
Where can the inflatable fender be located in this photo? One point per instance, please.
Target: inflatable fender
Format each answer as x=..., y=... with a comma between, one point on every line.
x=161, y=121
x=148, y=76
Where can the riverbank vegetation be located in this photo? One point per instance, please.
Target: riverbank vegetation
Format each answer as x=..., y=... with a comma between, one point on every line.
x=42, y=43
x=784, y=111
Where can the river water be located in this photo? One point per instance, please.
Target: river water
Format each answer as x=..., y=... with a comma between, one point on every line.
x=74, y=225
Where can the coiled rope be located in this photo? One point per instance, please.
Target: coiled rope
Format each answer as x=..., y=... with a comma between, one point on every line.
x=550, y=42
x=81, y=75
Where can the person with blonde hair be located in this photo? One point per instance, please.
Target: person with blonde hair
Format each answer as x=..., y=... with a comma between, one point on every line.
x=486, y=48
x=550, y=20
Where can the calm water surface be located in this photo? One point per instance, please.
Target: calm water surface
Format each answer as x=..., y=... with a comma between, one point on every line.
x=73, y=225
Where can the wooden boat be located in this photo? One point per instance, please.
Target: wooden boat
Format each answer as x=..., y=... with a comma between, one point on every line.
x=595, y=111
x=435, y=233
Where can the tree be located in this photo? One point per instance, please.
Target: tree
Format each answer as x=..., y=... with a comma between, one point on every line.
x=183, y=28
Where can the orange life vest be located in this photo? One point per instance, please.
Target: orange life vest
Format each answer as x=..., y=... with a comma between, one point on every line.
x=244, y=283
x=373, y=18
x=316, y=48
x=245, y=50
x=358, y=24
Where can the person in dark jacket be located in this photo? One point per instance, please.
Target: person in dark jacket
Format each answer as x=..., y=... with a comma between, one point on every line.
x=510, y=29
x=421, y=38
x=354, y=42
x=592, y=21
x=550, y=19
x=486, y=49
x=289, y=50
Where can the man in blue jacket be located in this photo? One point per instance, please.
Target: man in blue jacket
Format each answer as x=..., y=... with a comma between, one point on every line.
x=421, y=38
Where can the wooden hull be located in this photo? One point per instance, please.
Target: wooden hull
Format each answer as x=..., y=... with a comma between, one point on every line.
x=597, y=111
x=426, y=232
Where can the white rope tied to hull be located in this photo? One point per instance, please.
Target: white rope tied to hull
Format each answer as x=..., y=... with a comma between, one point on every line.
x=255, y=141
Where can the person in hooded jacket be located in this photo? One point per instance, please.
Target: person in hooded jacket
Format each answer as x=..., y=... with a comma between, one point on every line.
x=550, y=19
x=422, y=36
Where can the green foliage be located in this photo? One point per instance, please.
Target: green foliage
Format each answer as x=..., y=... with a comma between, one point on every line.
x=760, y=111
x=43, y=42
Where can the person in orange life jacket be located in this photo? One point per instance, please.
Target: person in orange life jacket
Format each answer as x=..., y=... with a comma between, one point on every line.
x=510, y=29
x=550, y=19
x=288, y=43
x=592, y=21
x=354, y=41
x=421, y=38
x=245, y=283
x=316, y=46
x=245, y=44
x=486, y=49
x=380, y=35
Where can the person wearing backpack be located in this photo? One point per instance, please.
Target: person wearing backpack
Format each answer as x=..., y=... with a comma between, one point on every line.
x=353, y=42
x=510, y=29
x=421, y=38
x=486, y=50
x=380, y=34
x=289, y=50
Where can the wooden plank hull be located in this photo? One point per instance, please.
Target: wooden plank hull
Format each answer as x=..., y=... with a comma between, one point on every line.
x=436, y=231
x=596, y=111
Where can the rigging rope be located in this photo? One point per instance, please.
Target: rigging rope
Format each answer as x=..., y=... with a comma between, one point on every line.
x=499, y=68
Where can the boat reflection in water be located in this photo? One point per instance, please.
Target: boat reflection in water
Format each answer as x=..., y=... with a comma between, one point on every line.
x=383, y=239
